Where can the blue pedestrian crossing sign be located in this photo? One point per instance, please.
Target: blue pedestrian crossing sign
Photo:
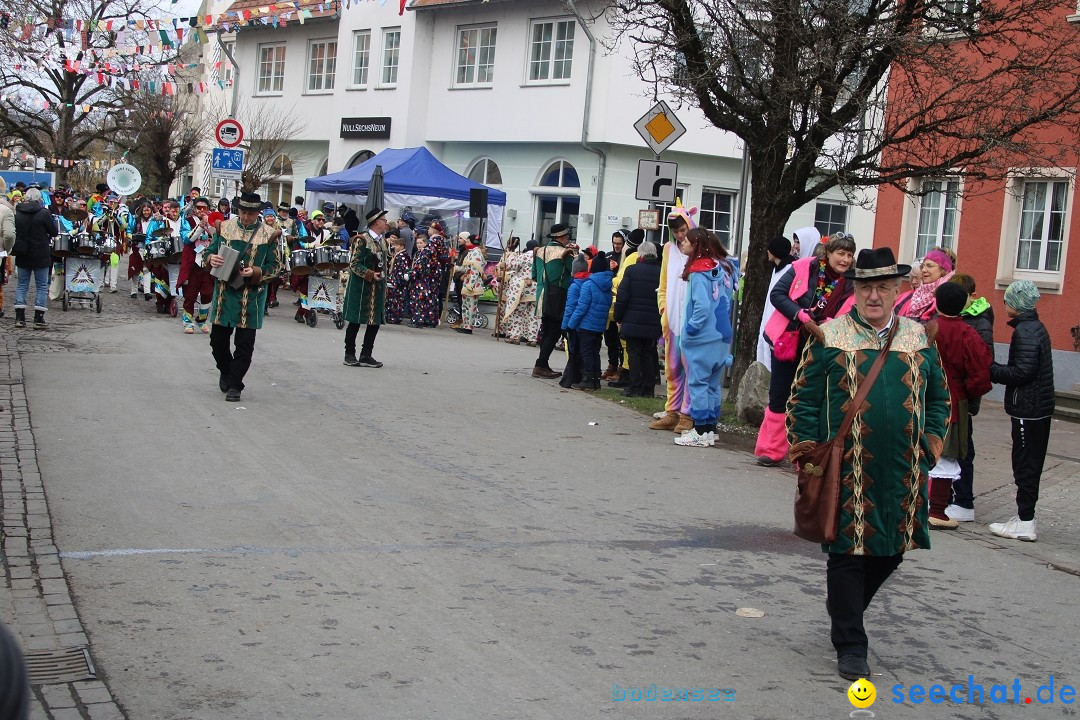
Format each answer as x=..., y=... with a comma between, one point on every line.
x=227, y=163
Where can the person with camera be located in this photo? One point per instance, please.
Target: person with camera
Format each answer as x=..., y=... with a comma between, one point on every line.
x=552, y=273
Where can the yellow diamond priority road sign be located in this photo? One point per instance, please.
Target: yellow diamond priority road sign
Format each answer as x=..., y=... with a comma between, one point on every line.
x=659, y=127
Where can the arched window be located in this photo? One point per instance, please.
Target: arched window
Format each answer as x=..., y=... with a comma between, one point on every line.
x=362, y=156
x=557, y=198
x=325, y=167
x=486, y=171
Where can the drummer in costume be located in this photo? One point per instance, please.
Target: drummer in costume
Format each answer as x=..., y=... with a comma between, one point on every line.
x=196, y=281
x=318, y=235
x=175, y=226
x=108, y=226
x=365, y=294
x=138, y=231
x=241, y=310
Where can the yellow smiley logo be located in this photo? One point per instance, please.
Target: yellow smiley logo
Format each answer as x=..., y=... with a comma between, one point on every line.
x=862, y=693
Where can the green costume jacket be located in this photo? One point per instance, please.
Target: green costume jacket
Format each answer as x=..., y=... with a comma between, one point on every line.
x=894, y=439
x=553, y=272
x=365, y=297
x=244, y=308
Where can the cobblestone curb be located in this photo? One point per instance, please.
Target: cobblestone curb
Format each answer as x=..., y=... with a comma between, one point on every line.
x=35, y=601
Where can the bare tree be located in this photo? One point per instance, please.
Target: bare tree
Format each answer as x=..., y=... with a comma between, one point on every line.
x=970, y=85
x=266, y=137
x=52, y=107
x=163, y=137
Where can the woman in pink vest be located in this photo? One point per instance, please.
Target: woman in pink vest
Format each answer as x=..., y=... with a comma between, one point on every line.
x=811, y=292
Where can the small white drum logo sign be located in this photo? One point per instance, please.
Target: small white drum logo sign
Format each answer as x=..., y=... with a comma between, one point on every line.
x=123, y=179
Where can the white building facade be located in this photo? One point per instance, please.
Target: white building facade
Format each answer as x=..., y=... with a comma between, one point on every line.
x=512, y=94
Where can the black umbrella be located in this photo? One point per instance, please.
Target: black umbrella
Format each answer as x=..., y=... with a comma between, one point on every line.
x=375, y=192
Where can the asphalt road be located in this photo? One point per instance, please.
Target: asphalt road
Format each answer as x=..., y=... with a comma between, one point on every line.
x=447, y=537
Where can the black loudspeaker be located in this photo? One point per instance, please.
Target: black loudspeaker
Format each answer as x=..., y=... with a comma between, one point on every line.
x=478, y=202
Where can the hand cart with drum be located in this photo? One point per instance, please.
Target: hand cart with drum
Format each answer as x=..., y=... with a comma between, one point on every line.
x=322, y=266
x=80, y=253
x=163, y=250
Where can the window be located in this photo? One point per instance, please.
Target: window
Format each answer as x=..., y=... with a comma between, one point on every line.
x=487, y=172
x=557, y=198
x=223, y=67
x=947, y=19
x=665, y=210
x=279, y=186
x=475, y=56
x=322, y=65
x=1042, y=226
x=361, y=57
x=221, y=187
x=271, y=69
x=391, y=52
x=938, y=215
x=551, y=50
x=360, y=157
x=716, y=213
x=830, y=218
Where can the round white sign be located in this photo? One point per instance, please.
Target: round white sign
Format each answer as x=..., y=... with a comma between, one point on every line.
x=123, y=179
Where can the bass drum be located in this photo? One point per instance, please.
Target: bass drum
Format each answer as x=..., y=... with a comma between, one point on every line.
x=157, y=251
x=138, y=240
x=63, y=245
x=340, y=258
x=302, y=262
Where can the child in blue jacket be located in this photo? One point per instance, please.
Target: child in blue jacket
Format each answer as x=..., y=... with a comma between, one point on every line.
x=572, y=371
x=589, y=319
x=706, y=336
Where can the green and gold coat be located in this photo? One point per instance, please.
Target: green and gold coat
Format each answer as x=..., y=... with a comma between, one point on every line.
x=365, y=297
x=894, y=439
x=244, y=308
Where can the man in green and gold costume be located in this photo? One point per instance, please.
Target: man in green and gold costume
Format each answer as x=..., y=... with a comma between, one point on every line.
x=241, y=308
x=365, y=293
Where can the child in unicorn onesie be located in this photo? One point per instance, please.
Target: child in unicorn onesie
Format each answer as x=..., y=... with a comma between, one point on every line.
x=705, y=339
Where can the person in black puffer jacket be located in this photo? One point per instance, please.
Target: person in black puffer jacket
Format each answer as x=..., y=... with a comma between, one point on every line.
x=1029, y=401
x=638, y=315
x=34, y=231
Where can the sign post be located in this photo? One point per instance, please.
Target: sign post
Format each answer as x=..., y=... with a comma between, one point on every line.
x=226, y=163
x=659, y=128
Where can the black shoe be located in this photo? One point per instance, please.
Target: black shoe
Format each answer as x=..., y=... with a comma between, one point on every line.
x=632, y=392
x=368, y=361
x=222, y=385
x=299, y=317
x=274, y=303
x=233, y=395
x=765, y=461
x=464, y=330
x=351, y=361
x=147, y=297
x=853, y=667
x=297, y=302
x=134, y=295
x=416, y=325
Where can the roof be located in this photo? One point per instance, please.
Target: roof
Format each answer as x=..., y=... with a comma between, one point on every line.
x=433, y=4
x=252, y=14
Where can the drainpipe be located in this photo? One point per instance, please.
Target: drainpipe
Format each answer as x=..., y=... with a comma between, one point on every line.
x=602, y=164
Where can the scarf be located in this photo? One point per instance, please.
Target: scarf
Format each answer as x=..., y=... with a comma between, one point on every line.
x=922, y=302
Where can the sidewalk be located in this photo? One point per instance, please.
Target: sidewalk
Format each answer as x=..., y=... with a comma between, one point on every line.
x=35, y=602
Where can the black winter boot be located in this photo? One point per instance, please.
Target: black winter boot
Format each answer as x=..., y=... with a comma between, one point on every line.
x=39, y=319
x=20, y=317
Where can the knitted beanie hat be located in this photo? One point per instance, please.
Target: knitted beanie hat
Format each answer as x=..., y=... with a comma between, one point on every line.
x=780, y=246
x=1022, y=295
x=581, y=264
x=951, y=299
x=599, y=263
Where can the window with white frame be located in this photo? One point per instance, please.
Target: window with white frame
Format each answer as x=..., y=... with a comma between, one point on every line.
x=271, y=69
x=361, y=57
x=223, y=67
x=715, y=213
x=391, y=56
x=939, y=215
x=221, y=187
x=551, y=50
x=475, y=56
x=485, y=171
x=830, y=218
x=948, y=19
x=665, y=209
x=1041, y=236
x=322, y=65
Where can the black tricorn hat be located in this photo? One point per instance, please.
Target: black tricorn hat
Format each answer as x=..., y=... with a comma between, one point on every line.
x=250, y=201
x=877, y=264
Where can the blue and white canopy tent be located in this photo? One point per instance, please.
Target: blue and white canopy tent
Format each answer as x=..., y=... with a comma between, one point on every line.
x=415, y=180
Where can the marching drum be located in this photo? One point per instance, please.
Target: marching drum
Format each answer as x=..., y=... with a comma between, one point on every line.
x=157, y=251
x=108, y=245
x=176, y=248
x=339, y=258
x=63, y=245
x=85, y=243
x=324, y=259
x=138, y=240
x=302, y=262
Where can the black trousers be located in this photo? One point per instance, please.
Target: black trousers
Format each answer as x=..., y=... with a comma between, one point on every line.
x=852, y=582
x=369, y=339
x=589, y=351
x=614, y=346
x=964, y=488
x=572, y=372
x=233, y=365
x=550, y=332
x=641, y=355
x=1030, y=439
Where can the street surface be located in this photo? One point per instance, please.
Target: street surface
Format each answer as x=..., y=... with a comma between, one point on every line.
x=448, y=538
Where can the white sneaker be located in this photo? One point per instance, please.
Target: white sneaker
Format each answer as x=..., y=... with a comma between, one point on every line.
x=690, y=438
x=959, y=514
x=1015, y=529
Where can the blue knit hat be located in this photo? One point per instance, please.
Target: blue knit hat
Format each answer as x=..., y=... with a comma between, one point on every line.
x=1022, y=295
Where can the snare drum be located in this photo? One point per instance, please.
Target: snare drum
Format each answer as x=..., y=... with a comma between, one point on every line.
x=340, y=258
x=324, y=259
x=157, y=251
x=138, y=241
x=85, y=243
x=108, y=245
x=63, y=245
x=176, y=248
x=302, y=262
